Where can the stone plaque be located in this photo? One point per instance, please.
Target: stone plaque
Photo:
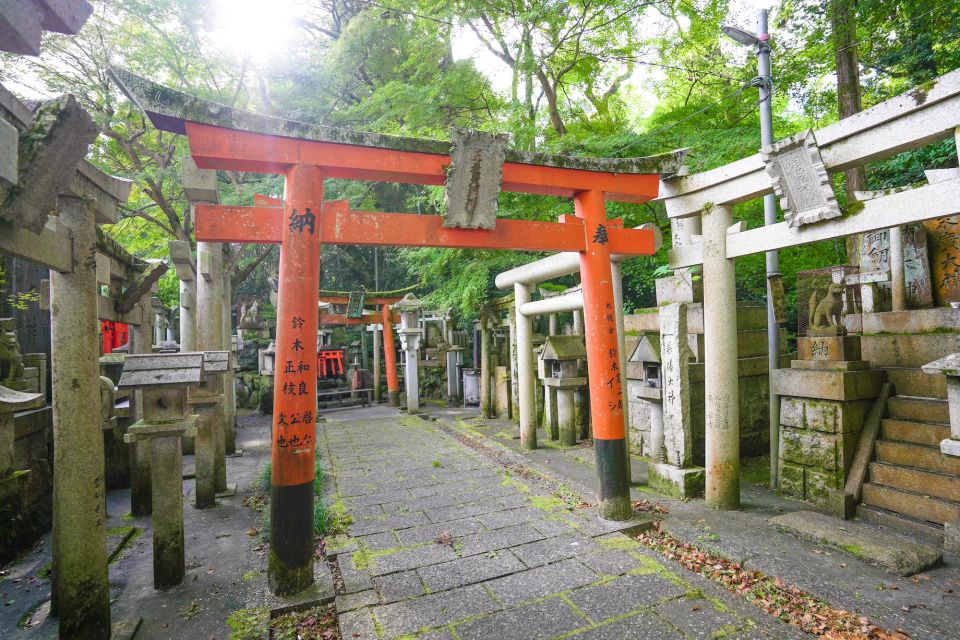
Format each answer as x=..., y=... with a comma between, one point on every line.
x=875, y=257
x=473, y=183
x=916, y=267
x=944, y=237
x=800, y=179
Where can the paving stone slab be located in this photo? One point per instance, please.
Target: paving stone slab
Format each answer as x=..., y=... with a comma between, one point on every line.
x=379, y=541
x=699, y=618
x=434, y=610
x=500, y=539
x=550, y=550
x=455, y=528
x=862, y=540
x=353, y=580
x=351, y=601
x=623, y=595
x=552, y=617
x=610, y=562
x=642, y=626
x=412, y=558
x=357, y=625
x=542, y=581
x=499, y=517
x=399, y=586
x=469, y=570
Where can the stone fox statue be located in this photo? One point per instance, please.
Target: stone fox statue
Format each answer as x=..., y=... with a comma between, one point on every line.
x=11, y=361
x=827, y=312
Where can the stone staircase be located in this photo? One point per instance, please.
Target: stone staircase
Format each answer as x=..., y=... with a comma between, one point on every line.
x=911, y=484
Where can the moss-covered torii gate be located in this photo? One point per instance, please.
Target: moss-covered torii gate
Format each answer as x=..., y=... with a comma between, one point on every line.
x=227, y=139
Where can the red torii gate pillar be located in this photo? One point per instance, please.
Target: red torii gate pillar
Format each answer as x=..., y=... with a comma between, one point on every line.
x=390, y=358
x=290, y=565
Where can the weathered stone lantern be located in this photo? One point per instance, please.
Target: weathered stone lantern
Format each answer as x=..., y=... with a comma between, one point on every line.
x=560, y=366
x=163, y=379
x=410, y=333
x=645, y=390
x=267, y=358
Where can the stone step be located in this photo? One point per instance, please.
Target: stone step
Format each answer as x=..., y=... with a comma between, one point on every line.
x=927, y=530
x=920, y=409
x=928, y=433
x=937, y=485
x=917, y=456
x=911, y=504
x=908, y=349
x=914, y=382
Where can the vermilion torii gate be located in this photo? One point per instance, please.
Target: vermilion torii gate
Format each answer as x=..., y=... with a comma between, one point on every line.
x=226, y=139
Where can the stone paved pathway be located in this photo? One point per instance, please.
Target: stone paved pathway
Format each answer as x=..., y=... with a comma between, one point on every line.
x=516, y=563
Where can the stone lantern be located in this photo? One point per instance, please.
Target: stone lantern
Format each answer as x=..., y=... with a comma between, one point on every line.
x=410, y=332
x=645, y=390
x=163, y=379
x=267, y=359
x=560, y=366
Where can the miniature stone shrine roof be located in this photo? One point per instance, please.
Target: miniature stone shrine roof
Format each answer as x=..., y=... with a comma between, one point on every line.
x=170, y=109
x=564, y=348
x=647, y=348
x=160, y=369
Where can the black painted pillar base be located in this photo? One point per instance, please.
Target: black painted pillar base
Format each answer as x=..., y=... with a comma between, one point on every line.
x=290, y=563
x=614, y=484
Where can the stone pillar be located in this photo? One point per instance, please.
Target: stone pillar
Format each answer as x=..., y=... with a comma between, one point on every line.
x=229, y=379
x=486, y=405
x=140, y=488
x=720, y=346
x=410, y=332
x=526, y=369
x=514, y=405
x=454, y=360
x=376, y=363
x=186, y=273
x=578, y=322
x=656, y=434
x=552, y=324
x=80, y=558
x=566, y=416
x=898, y=281
x=206, y=401
x=210, y=338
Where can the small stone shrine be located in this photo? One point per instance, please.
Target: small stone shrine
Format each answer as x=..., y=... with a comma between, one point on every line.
x=163, y=380
x=560, y=370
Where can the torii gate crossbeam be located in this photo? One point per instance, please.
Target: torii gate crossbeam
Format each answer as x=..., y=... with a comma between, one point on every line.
x=304, y=222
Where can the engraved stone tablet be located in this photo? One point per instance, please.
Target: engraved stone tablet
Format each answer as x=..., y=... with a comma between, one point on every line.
x=473, y=183
x=800, y=179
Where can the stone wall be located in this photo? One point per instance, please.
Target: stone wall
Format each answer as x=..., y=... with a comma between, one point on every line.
x=26, y=502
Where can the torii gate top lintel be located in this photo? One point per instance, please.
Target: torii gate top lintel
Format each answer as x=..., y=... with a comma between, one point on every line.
x=268, y=144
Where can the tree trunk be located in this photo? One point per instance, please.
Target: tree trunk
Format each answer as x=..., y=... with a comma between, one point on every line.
x=843, y=18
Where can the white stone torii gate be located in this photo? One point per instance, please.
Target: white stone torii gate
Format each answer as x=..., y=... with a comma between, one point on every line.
x=908, y=121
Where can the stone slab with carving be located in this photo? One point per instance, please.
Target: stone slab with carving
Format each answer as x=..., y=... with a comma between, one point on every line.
x=474, y=180
x=800, y=179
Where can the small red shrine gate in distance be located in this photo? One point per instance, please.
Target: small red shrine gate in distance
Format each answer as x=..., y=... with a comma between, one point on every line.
x=248, y=142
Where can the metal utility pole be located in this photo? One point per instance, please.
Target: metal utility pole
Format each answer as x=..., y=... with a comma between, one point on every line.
x=764, y=81
x=769, y=217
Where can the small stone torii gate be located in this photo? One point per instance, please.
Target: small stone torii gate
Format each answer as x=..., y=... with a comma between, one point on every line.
x=224, y=138
x=797, y=169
